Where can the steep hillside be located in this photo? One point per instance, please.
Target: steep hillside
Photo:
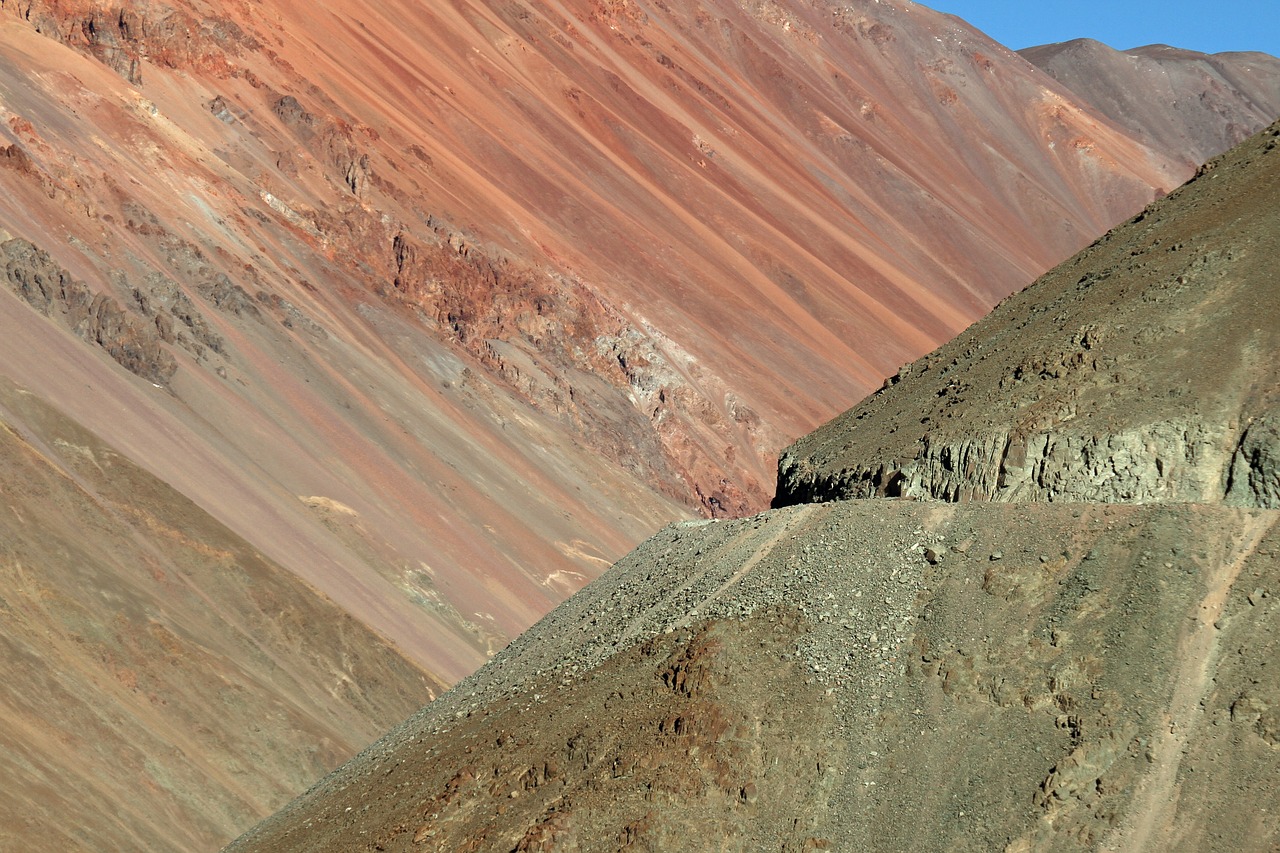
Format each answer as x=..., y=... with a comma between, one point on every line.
x=907, y=675
x=437, y=309
x=435, y=263
x=1065, y=678
x=1142, y=370
x=1188, y=105
x=165, y=684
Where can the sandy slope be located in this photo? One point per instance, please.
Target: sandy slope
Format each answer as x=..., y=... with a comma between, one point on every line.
x=165, y=682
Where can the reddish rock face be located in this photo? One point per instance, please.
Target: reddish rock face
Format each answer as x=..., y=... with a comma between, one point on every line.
x=442, y=307
x=695, y=232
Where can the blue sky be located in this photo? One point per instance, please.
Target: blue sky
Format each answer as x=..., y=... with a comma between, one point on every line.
x=1122, y=24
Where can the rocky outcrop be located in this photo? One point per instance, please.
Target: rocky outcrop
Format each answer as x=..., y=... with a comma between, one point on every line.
x=570, y=353
x=124, y=36
x=1142, y=370
x=330, y=139
x=96, y=317
x=16, y=158
x=1159, y=462
x=161, y=299
x=1255, y=466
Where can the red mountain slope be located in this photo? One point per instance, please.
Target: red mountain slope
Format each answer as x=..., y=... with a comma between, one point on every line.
x=442, y=307
x=468, y=241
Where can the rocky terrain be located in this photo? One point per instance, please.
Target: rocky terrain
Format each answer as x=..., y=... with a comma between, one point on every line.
x=1065, y=678
x=436, y=311
x=874, y=674
x=1182, y=103
x=1140, y=370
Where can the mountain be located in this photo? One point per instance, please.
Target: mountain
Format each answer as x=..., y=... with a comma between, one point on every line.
x=914, y=674
x=1182, y=103
x=514, y=285
x=421, y=316
x=1140, y=370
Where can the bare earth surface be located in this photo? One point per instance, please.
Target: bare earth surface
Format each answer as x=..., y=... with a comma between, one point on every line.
x=149, y=650
x=421, y=315
x=1180, y=102
x=1046, y=675
x=1066, y=677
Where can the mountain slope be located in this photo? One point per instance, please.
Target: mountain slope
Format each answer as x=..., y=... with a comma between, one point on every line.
x=895, y=675
x=440, y=309
x=807, y=679
x=1185, y=104
x=149, y=650
x=432, y=264
x=1139, y=370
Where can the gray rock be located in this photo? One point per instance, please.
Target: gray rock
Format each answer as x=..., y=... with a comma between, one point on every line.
x=1255, y=466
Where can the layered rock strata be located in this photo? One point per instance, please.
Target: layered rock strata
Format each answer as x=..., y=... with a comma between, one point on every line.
x=625, y=216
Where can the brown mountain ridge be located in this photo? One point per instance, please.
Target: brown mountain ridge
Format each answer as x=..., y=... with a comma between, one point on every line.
x=1185, y=104
x=906, y=675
